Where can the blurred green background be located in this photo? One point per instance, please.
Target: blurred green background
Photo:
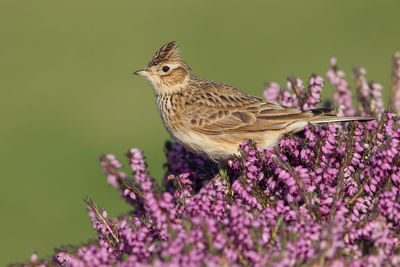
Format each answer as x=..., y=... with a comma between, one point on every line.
x=67, y=93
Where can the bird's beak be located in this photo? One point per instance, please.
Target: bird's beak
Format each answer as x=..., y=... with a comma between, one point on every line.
x=145, y=73
x=142, y=73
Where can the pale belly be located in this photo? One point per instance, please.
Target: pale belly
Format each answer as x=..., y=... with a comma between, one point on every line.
x=220, y=148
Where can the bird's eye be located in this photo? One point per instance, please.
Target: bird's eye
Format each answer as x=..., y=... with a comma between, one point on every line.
x=165, y=68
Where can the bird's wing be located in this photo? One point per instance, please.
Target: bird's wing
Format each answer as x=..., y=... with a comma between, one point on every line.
x=227, y=110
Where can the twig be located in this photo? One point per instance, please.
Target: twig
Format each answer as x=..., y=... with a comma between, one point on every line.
x=91, y=204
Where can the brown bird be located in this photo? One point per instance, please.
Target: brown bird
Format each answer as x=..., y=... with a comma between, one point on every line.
x=211, y=118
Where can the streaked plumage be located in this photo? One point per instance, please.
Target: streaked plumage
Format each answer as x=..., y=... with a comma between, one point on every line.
x=212, y=118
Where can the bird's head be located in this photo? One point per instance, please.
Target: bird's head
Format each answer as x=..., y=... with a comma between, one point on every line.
x=166, y=71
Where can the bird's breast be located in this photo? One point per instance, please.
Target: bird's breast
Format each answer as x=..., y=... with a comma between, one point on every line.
x=169, y=107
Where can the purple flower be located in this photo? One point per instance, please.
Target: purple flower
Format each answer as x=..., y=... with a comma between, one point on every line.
x=395, y=95
x=342, y=94
x=376, y=102
x=272, y=92
x=313, y=96
x=328, y=195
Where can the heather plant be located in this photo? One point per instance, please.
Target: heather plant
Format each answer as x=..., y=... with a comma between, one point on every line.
x=329, y=196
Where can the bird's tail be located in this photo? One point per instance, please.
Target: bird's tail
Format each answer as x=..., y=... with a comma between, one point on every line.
x=325, y=119
x=324, y=115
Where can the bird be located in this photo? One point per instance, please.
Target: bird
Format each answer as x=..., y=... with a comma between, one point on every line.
x=212, y=119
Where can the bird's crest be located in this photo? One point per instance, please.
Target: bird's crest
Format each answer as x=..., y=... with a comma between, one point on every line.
x=167, y=52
